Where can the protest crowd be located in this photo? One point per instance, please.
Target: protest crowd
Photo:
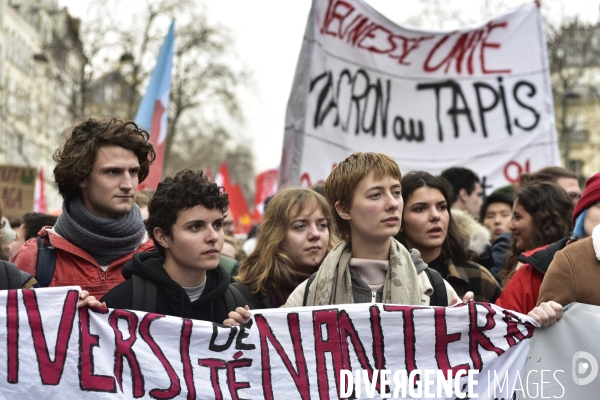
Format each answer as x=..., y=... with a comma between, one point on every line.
x=369, y=233
x=376, y=236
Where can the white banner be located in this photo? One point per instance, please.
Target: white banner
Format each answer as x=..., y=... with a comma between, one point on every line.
x=568, y=370
x=478, y=97
x=50, y=349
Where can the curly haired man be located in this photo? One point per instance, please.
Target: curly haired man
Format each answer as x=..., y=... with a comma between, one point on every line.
x=98, y=169
x=183, y=277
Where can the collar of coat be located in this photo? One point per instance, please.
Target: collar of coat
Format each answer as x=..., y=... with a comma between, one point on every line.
x=596, y=241
x=455, y=272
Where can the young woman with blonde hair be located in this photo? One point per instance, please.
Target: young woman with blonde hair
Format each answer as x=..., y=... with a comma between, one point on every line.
x=369, y=265
x=294, y=238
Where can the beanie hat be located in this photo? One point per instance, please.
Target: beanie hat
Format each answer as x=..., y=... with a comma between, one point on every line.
x=590, y=195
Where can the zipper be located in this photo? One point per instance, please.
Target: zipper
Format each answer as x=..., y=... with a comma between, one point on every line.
x=103, y=275
x=373, y=297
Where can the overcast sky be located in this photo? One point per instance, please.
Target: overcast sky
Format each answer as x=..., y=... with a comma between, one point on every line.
x=268, y=35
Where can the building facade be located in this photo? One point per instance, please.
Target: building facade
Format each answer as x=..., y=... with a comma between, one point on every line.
x=41, y=70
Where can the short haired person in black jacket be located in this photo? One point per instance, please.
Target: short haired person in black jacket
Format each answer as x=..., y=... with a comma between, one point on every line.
x=184, y=278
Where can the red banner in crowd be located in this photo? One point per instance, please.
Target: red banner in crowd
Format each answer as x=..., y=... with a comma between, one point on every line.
x=265, y=185
x=238, y=207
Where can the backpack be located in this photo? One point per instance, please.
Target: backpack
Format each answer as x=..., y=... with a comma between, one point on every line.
x=145, y=292
x=10, y=277
x=145, y=295
x=46, y=261
x=230, y=266
x=438, y=298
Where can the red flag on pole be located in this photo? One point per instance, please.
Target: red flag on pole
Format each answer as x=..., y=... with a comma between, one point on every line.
x=265, y=185
x=222, y=178
x=238, y=207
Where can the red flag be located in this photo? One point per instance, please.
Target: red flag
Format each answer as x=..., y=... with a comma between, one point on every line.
x=265, y=185
x=240, y=211
x=238, y=207
x=39, y=199
x=222, y=178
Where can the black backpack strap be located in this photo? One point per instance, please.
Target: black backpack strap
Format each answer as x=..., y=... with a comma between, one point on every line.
x=145, y=294
x=4, y=284
x=10, y=277
x=234, y=299
x=310, y=281
x=46, y=261
x=440, y=294
x=227, y=263
x=230, y=303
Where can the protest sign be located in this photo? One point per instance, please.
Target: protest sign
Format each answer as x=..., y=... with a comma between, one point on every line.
x=477, y=97
x=568, y=351
x=17, y=186
x=51, y=349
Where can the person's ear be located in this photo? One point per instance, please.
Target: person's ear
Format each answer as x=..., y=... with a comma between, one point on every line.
x=342, y=211
x=161, y=237
x=463, y=195
x=83, y=183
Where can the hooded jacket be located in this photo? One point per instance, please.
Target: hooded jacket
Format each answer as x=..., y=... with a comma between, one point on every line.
x=523, y=289
x=479, y=236
x=172, y=298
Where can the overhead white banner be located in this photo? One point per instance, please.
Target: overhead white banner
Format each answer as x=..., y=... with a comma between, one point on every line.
x=477, y=97
x=50, y=349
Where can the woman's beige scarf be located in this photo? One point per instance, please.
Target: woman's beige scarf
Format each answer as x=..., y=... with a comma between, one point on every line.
x=333, y=285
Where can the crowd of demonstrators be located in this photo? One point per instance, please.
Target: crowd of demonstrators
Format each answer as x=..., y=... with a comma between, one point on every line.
x=15, y=278
x=428, y=226
x=30, y=225
x=541, y=226
x=295, y=236
x=496, y=214
x=417, y=240
x=573, y=274
x=98, y=168
x=466, y=195
x=182, y=277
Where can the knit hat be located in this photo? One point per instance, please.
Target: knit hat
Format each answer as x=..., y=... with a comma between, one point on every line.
x=591, y=194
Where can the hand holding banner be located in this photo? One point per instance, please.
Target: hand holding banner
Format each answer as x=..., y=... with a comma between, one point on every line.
x=52, y=349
